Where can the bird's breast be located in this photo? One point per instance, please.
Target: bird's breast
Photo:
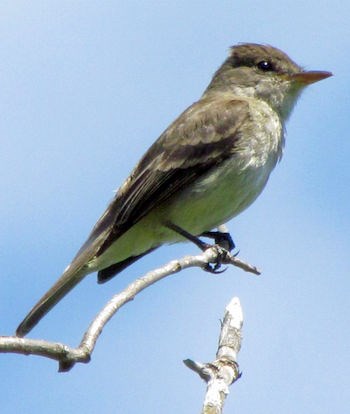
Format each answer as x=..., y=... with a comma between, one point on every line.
x=230, y=187
x=215, y=197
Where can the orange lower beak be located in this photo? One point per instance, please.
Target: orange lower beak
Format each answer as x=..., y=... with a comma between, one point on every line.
x=306, y=78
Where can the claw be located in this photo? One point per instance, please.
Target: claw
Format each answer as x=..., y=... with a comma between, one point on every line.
x=214, y=270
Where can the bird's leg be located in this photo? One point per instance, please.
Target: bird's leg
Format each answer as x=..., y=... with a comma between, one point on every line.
x=194, y=239
x=223, y=239
x=219, y=238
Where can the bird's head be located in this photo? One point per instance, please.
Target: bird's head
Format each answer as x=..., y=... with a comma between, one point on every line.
x=266, y=73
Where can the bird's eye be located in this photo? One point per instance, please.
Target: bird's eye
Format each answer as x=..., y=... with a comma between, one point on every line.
x=265, y=66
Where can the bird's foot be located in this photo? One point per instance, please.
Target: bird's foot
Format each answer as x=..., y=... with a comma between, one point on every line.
x=223, y=244
x=220, y=258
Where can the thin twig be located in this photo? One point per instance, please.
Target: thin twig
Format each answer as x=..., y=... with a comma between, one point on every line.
x=224, y=371
x=68, y=356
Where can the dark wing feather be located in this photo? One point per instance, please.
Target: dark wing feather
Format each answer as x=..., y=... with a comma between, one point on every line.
x=201, y=138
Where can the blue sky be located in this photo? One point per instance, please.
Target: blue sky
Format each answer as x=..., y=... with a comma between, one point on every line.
x=85, y=88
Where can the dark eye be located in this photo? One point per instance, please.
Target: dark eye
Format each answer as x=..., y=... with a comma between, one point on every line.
x=265, y=66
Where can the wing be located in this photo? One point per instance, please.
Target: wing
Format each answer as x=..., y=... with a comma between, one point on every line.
x=199, y=139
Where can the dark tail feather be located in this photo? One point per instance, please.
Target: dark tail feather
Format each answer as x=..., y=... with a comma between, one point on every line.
x=70, y=278
x=65, y=283
x=106, y=274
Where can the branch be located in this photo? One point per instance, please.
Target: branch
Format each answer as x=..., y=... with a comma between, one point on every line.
x=224, y=371
x=68, y=356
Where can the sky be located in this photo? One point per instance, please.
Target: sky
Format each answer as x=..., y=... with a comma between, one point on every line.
x=85, y=88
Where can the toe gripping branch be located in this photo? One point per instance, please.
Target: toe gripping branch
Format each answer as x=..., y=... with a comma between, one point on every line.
x=223, y=243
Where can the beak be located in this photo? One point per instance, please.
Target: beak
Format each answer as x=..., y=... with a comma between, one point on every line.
x=306, y=78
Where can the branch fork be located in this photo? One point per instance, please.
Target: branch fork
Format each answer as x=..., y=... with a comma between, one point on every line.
x=224, y=370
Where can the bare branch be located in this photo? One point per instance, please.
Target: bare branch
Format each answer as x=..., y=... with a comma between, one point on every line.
x=52, y=350
x=68, y=356
x=221, y=373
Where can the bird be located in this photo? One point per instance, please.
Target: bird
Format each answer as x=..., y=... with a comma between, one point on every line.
x=208, y=166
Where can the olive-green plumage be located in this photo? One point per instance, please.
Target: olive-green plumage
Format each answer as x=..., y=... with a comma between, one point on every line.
x=207, y=166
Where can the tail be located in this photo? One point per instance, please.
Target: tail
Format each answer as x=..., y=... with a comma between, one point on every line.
x=70, y=278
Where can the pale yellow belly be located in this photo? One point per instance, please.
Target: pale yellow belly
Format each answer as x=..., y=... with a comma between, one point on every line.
x=211, y=202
